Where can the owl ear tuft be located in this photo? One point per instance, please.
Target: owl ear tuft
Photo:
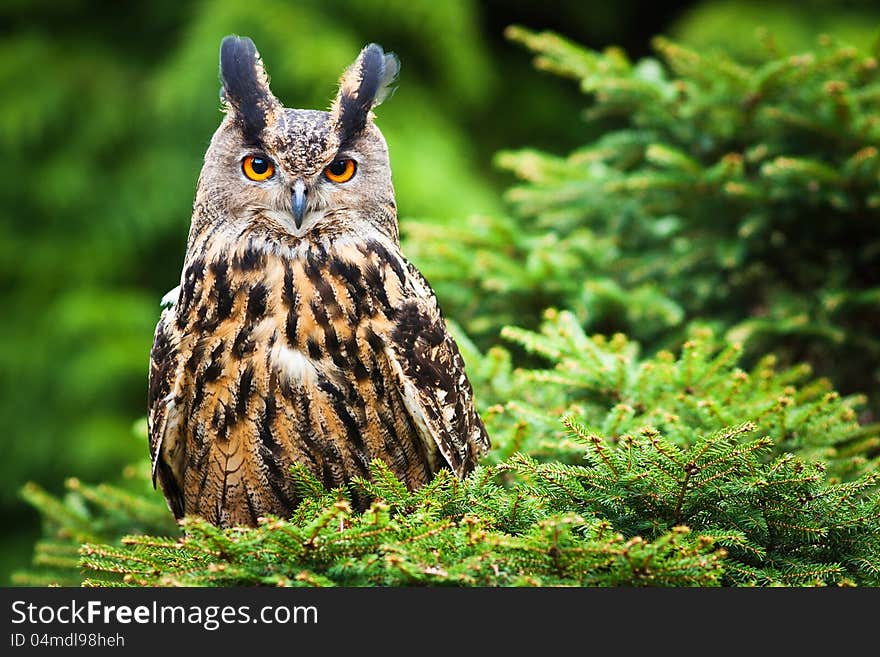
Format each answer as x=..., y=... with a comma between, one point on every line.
x=365, y=84
x=245, y=88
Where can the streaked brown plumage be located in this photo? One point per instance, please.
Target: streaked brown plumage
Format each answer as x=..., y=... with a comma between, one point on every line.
x=300, y=334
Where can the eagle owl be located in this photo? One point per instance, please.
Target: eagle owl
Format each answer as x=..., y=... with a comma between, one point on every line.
x=299, y=333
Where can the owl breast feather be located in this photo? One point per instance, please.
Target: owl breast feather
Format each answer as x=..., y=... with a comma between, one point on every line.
x=330, y=357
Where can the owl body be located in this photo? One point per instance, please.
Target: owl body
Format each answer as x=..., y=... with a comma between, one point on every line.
x=300, y=334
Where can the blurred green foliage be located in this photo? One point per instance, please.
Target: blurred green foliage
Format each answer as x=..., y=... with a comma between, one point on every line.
x=729, y=26
x=108, y=108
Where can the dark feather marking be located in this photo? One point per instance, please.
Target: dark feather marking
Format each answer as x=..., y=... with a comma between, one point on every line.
x=290, y=327
x=198, y=396
x=202, y=324
x=318, y=253
x=272, y=453
x=161, y=346
x=372, y=246
x=413, y=325
x=334, y=464
x=316, y=259
x=328, y=297
x=194, y=274
x=219, y=268
x=332, y=457
x=291, y=302
x=288, y=294
x=218, y=417
x=276, y=478
x=327, y=386
x=304, y=424
x=245, y=390
x=211, y=373
x=376, y=284
x=243, y=343
x=375, y=375
x=354, y=359
x=331, y=341
x=249, y=259
x=222, y=503
x=171, y=488
x=353, y=433
x=348, y=272
x=340, y=406
x=198, y=464
x=327, y=476
x=256, y=305
x=360, y=371
x=320, y=314
x=266, y=421
x=224, y=294
x=391, y=439
x=203, y=448
x=215, y=367
x=350, y=277
x=378, y=378
x=252, y=511
x=305, y=427
x=317, y=277
x=314, y=349
x=222, y=435
x=195, y=358
x=162, y=363
x=375, y=341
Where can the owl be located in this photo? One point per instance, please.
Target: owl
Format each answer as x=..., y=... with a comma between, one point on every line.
x=300, y=334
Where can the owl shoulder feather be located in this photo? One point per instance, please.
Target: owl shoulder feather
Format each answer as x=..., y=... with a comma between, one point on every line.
x=430, y=371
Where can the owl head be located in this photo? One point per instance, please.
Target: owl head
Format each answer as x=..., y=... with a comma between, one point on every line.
x=292, y=173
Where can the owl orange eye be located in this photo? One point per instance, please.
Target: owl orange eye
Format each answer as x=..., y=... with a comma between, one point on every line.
x=340, y=171
x=257, y=168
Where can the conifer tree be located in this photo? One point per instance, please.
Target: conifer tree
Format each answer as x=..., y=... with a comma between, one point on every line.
x=743, y=194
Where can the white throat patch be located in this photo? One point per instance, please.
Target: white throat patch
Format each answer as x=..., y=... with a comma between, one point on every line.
x=286, y=220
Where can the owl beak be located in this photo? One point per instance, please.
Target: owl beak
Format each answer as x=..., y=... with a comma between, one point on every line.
x=298, y=203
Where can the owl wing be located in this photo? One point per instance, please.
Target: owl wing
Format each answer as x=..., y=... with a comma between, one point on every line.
x=164, y=413
x=431, y=376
